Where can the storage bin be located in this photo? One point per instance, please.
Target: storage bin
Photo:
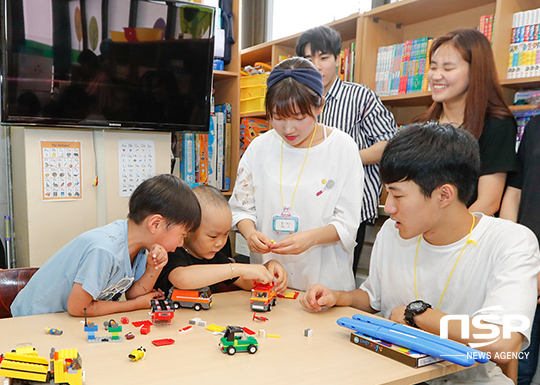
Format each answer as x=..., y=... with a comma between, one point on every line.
x=252, y=105
x=252, y=92
x=255, y=80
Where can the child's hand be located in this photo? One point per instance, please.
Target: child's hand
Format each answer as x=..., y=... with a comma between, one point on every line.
x=318, y=296
x=259, y=243
x=255, y=273
x=143, y=301
x=279, y=273
x=157, y=257
x=293, y=244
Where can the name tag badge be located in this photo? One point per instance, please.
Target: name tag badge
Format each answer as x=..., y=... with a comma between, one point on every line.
x=282, y=224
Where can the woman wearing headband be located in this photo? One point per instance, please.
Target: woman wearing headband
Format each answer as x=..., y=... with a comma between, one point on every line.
x=298, y=191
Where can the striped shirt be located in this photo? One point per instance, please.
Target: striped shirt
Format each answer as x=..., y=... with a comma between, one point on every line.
x=357, y=110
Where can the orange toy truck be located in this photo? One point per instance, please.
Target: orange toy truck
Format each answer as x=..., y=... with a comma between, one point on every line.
x=263, y=297
x=195, y=299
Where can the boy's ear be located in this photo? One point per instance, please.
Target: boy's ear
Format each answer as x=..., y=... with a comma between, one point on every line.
x=447, y=194
x=155, y=221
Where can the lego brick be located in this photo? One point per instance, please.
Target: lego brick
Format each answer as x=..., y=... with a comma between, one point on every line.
x=163, y=342
x=31, y=358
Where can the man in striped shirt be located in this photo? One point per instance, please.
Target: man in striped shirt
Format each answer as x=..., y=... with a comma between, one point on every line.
x=355, y=109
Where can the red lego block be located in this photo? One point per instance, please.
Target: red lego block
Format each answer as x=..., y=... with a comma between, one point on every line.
x=145, y=329
x=124, y=320
x=163, y=342
x=142, y=323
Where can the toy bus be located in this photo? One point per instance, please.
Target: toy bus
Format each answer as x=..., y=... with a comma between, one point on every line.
x=23, y=364
x=195, y=299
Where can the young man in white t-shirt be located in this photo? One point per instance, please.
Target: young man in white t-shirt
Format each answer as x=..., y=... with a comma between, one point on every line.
x=433, y=257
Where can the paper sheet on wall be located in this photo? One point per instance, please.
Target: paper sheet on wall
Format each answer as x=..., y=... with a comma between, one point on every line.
x=136, y=162
x=61, y=170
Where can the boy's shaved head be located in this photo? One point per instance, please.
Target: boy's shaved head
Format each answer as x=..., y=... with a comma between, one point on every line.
x=210, y=196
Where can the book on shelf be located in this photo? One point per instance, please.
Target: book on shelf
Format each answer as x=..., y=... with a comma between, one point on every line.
x=212, y=152
x=401, y=68
x=395, y=352
x=425, y=83
x=485, y=26
x=224, y=112
x=187, y=168
x=346, y=63
x=524, y=52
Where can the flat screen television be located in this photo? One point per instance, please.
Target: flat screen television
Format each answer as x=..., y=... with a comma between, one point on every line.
x=134, y=64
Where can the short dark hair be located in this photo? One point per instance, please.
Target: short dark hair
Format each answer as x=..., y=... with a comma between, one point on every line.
x=289, y=97
x=168, y=196
x=323, y=39
x=431, y=155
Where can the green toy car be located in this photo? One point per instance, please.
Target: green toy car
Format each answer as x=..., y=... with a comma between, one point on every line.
x=236, y=340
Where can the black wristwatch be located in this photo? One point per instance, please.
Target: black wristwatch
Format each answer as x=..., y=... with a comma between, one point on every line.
x=415, y=308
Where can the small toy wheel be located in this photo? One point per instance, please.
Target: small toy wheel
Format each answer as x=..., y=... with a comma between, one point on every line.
x=197, y=306
x=252, y=349
x=231, y=350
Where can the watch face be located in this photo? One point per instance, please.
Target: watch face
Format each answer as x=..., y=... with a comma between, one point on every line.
x=416, y=306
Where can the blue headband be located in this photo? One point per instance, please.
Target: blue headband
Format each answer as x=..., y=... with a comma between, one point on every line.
x=306, y=76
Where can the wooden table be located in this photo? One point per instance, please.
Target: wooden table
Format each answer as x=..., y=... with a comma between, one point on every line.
x=325, y=358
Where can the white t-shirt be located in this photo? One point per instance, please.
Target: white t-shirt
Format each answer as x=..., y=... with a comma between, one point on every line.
x=500, y=270
x=329, y=192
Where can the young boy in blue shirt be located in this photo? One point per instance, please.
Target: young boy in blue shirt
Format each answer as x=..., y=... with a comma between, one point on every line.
x=126, y=256
x=206, y=258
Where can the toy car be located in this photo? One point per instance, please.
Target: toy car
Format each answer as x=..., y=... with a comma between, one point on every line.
x=195, y=299
x=137, y=354
x=162, y=311
x=236, y=340
x=263, y=297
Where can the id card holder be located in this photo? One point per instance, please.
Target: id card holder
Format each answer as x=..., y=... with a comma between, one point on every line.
x=282, y=224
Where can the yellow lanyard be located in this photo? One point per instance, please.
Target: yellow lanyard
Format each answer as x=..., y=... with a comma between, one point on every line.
x=453, y=268
x=301, y=170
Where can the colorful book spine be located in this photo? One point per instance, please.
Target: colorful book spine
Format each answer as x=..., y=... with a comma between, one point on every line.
x=525, y=45
x=203, y=158
x=220, y=131
x=188, y=158
x=212, y=152
x=425, y=83
x=228, y=147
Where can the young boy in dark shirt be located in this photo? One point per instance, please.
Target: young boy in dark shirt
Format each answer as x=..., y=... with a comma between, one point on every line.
x=205, y=259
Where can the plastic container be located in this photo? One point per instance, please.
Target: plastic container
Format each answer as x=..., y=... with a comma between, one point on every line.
x=252, y=92
x=255, y=80
x=252, y=105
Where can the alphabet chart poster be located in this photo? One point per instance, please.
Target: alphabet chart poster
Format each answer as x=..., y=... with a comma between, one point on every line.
x=61, y=171
x=137, y=162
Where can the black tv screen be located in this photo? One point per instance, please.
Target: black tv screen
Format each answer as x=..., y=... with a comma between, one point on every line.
x=134, y=64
